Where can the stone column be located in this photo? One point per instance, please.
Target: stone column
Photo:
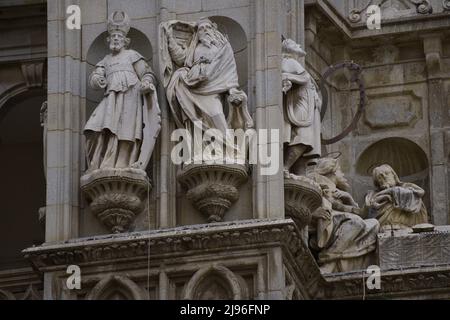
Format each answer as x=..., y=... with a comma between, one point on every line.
x=269, y=191
x=268, y=100
x=438, y=120
x=167, y=178
x=65, y=107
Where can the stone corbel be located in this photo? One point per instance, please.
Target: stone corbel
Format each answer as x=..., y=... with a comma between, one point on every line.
x=33, y=74
x=310, y=30
x=432, y=45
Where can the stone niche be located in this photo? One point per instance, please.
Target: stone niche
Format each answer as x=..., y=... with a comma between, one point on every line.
x=146, y=216
x=242, y=206
x=405, y=156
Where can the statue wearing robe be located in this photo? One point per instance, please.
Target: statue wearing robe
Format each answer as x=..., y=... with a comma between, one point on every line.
x=201, y=78
x=302, y=103
x=396, y=204
x=122, y=130
x=343, y=240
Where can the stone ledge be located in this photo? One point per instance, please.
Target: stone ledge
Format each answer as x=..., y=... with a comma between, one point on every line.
x=185, y=240
x=409, y=250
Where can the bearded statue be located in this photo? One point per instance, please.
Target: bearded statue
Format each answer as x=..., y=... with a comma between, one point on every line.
x=200, y=77
x=396, y=204
x=122, y=130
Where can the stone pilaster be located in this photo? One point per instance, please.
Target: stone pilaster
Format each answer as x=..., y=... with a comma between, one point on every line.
x=65, y=108
x=438, y=119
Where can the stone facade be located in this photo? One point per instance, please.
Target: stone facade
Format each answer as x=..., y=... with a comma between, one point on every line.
x=229, y=231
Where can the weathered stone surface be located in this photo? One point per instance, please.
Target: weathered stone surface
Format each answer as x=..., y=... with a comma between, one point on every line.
x=414, y=249
x=213, y=189
x=116, y=196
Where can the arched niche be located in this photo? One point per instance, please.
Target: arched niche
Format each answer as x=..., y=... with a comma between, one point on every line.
x=238, y=40
x=215, y=283
x=407, y=158
x=99, y=49
x=115, y=287
x=22, y=174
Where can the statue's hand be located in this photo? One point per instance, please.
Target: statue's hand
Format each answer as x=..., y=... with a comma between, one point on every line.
x=343, y=195
x=322, y=213
x=147, y=87
x=287, y=85
x=100, y=82
x=356, y=210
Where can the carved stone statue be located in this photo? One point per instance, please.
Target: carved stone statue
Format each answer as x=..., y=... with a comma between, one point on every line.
x=395, y=204
x=344, y=241
x=302, y=103
x=122, y=130
x=200, y=77
x=201, y=82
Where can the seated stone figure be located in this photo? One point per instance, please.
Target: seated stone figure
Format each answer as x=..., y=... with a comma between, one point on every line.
x=396, y=204
x=343, y=240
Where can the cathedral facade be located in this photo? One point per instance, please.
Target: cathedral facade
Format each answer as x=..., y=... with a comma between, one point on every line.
x=339, y=167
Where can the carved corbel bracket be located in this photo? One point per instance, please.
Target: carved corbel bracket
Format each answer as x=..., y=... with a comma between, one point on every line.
x=213, y=189
x=432, y=45
x=116, y=196
x=302, y=196
x=33, y=73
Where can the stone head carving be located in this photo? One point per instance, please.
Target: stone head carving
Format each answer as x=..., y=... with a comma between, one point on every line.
x=385, y=177
x=291, y=47
x=118, y=28
x=331, y=169
x=395, y=204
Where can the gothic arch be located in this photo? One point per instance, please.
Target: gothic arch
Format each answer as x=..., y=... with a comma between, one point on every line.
x=215, y=282
x=116, y=287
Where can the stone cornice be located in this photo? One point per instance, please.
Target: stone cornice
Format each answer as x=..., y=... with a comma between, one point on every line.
x=394, y=283
x=239, y=235
x=177, y=241
x=419, y=23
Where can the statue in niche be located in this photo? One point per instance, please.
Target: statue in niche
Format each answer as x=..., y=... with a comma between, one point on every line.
x=343, y=240
x=200, y=77
x=302, y=104
x=396, y=204
x=122, y=131
x=203, y=93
